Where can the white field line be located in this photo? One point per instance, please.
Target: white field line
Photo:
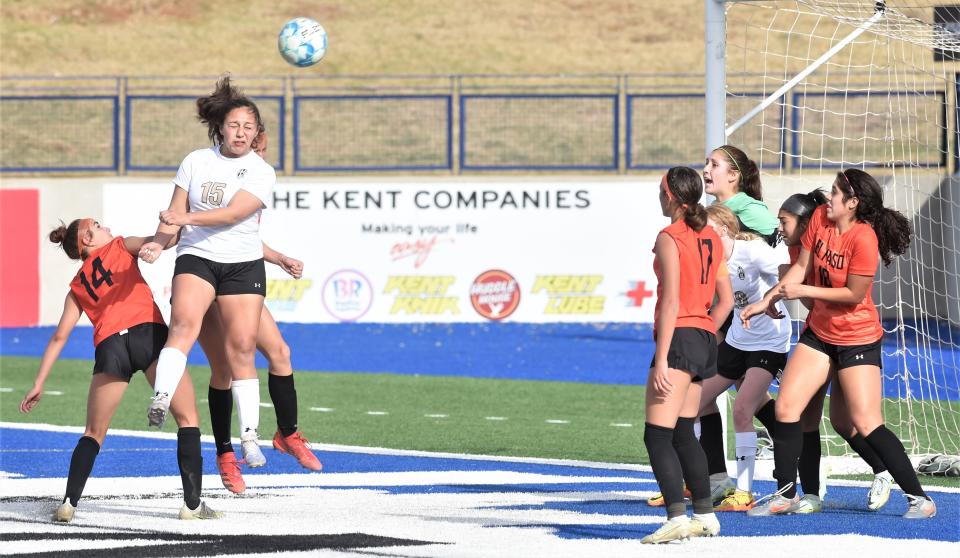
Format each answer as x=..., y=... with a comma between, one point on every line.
x=444, y=455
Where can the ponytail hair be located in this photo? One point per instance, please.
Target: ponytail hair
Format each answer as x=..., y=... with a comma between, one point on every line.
x=803, y=205
x=892, y=228
x=68, y=237
x=213, y=109
x=686, y=186
x=749, y=172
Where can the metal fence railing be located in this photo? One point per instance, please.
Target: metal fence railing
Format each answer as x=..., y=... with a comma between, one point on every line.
x=49, y=133
x=539, y=132
x=447, y=124
x=372, y=132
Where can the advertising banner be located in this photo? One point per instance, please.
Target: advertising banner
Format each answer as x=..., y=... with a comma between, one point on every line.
x=442, y=251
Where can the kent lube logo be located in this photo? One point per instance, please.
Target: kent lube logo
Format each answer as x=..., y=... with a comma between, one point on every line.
x=495, y=294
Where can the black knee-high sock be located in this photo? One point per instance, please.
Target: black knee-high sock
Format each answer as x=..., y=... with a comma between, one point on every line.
x=863, y=449
x=191, y=465
x=711, y=440
x=693, y=463
x=81, y=464
x=221, y=416
x=666, y=467
x=809, y=463
x=284, y=397
x=767, y=415
x=787, y=444
x=891, y=452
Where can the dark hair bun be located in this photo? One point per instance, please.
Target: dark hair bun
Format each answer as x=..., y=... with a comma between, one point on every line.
x=58, y=234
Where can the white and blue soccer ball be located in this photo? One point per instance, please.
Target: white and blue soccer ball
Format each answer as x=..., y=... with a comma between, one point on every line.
x=302, y=42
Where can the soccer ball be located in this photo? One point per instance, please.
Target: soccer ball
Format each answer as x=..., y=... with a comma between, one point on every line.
x=302, y=42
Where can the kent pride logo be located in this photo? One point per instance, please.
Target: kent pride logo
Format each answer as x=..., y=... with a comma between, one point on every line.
x=347, y=295
x=495, y=294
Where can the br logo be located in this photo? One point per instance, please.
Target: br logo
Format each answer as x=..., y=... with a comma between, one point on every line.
x=347, y=295
x=495, y=294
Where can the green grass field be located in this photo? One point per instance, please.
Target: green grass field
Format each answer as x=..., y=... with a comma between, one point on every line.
x=522, y=409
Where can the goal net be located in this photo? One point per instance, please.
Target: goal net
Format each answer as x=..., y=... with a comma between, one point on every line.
x=886, y=102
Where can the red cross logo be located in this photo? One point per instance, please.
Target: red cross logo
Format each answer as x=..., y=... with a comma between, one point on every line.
x=638, y=292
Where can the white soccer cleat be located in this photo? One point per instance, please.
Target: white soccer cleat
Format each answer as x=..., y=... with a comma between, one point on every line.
x=706, y=525
x=250, y=448
x=773, y=504
x=675, y=529
x=64, y=512
x=157, y=412
x=920, y=507
x=202, y=512
x=879, y=491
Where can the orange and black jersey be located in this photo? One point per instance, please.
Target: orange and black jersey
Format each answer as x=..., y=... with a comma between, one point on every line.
x=112, y=292
x=794, y=252
x=701, y=256
x=833, y=257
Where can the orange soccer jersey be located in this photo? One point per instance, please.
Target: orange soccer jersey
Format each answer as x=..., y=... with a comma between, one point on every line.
x=112, y=293
x=794, y=252
x=834, y=257
x=701, y=256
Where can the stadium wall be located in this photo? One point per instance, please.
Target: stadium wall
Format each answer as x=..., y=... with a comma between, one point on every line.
x=578, y=249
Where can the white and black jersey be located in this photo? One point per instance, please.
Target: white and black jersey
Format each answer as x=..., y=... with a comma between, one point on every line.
x=211, y=181
x=754, y=270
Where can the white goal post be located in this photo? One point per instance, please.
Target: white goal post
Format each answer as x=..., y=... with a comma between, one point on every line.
x=809, y=87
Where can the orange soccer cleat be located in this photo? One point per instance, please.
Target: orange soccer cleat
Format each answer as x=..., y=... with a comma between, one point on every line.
x=229, y=469
x=299, y=447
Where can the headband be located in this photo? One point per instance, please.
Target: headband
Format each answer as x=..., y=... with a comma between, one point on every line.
x=80, y=232
x=843, y=173
x=666, y=188
x=729, y=156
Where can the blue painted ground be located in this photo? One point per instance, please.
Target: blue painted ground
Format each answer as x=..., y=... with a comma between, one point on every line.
x=38, y=454
x=601, y=353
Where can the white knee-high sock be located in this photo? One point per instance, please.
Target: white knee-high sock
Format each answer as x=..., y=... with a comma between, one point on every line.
x=246, y=397
x=170, y=367
x=746, y=458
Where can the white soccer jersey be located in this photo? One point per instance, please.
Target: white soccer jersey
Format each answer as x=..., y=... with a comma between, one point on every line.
x=211, y=180
x=754, y=270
